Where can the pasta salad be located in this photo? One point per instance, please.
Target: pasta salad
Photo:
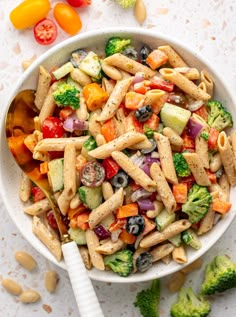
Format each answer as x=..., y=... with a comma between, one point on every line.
x=135, y=150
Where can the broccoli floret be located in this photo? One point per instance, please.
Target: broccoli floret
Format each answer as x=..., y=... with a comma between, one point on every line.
x=204, y=135
x=66, y=95
x=116, y=45
x=181, y=166
x=125, y=4
x=220, y=275
x=120, y=262
x=198, y=203
x=218, y=118
x=148, y=300
x=190, y=305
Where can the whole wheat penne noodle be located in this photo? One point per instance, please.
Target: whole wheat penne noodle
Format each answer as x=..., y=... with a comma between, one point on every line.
x=233, y=142
x=158, y=207
x=174, y=58
x=38, y=207
x=75, y=202
x=155, y=98
x=161, y=251
x=196, y=265
x=215, y=162
x=202, y=86
x=129, y=65
x=85, y=256
x=224, y=184
x=166, y=157
x=93, y=243
x=49, y=104
x=69, y=171
x=25, y=188
x=124, y=74
x=167, y=259
x=124, y=141
x=80, y=77
x=207, y=222
x=82, y=111
x=111, y=71
x=37, y=123
x=201, y=148
x=44, y=82
x=173, y=137
x=58, y=144
x=197, y=168
x=100, y=140
x=184, y=84
x=179, y=255
x=110, y=247
x=63, y=202
x=47, y=237
x=136, y=173
x=143, y=145
x=106, y=208
x=41, y=155
x=157, y=237
x=107, y=190
x=115, y=99
x=108, y=85
x=163, y=188
x=227, y=157
x=207, y=80
x=176, y=281
x=136, y=254
x=189, y=72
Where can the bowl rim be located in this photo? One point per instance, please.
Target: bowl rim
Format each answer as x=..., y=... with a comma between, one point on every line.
x=123, y=31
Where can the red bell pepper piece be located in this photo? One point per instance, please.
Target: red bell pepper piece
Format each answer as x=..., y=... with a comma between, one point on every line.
x=111, y=167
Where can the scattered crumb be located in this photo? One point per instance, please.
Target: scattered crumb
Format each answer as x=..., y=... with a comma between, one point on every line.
x=47, y=308
x=162, y=11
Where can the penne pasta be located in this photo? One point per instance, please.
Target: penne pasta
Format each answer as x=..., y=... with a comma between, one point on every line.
x=38, y=207
x=161, y=251
x=58, y=144
x=179, y=255
x=25, y=188
x=207, y=80
x=207, y=222
x=69, y=171
x=188, y=72
x=49, y=105
x=44, y=82
x=174, y=58
x=174, y=138
x=110, y=247
x=201, y=147
x=93, y=243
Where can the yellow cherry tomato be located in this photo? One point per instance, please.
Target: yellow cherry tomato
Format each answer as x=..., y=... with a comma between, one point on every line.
x=67, y=18
x=29, y=12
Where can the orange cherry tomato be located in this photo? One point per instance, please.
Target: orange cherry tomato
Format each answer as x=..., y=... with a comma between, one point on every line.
x=67, y=18
x=29, y=12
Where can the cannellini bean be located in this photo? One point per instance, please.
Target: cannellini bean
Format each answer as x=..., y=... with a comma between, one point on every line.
x=140, y=12
x=176, y=281
x=51, y=280
x=26, y=260
x=12, y=286
x=29, y=296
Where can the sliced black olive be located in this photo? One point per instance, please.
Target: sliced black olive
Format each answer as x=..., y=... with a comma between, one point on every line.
x=135, y=225
x=144, y=52
x=131, y=53
x=151, y=149
x=120, y=179
x=77, y=56
x=144, y=261
x=143, y=113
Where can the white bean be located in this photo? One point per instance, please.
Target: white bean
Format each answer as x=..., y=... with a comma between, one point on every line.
x=29, y=296
x=11, y=286
x=26, y=260
x=51, y=280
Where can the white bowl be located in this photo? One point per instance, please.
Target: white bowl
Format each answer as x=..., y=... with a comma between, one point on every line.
x=10, y=172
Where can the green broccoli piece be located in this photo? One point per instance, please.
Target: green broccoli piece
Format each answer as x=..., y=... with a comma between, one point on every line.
x=218, y=118
x=116, y=45
x=148, y=300
x=190, y=305
x=120, y=262
x=181, y=166
x=66, y=95
x=198, y=203
x=125, y=4
x=220, y=275
x=204, y=135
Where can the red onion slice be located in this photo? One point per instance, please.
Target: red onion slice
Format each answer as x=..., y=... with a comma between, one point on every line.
x=145, y=204
x=194, y=128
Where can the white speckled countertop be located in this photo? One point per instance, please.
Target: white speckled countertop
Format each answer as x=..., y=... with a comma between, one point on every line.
x=209, y=27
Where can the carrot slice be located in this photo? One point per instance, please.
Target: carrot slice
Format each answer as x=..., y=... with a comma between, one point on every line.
x=180, y=192
x=221, y=206
x=127, y=237
x=108, y=130
x=127, y=211
x=134, y=100
x=156, y=58
x=82, y=220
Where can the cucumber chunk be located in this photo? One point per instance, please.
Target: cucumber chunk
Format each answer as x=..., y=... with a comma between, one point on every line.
x=56, y=174
x=78, y=235
x=63, y=70
x=164, y=219
x=91, y=65
x=176, y=240
x=190, y=237
x=91, y=196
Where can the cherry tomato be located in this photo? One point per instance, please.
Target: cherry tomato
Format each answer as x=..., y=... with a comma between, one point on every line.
x=79, y=3
x=51, y=220
x=37, y=193
x=52, y=128
x=45, y=32
x=92, y=174
x=29, y=12
x=67, y=18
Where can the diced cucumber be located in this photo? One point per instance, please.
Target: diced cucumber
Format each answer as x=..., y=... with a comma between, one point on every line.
x=62, y=71
x=91, y=65
x=91, y=196
x=176, y=240
x=73, y=83
x=174, y=117
x=56, y=174
x=164, y=219
x=78, y=235
x=190, y=237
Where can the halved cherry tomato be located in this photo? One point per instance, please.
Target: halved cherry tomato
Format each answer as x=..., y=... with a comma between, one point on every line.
x=37, y=193
x=67, y=18
x=79, y=3
x=52, y=127
x=45, y=32
x=92, y=174
x=159, y=83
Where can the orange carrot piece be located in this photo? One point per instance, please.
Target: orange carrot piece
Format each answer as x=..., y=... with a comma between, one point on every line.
x=127, y=211
x=108, y=130
x=141, y=87
x=134, y=100
x=94, y=96
x=19, y=149
x=80, y=162
x=156, y=58
x=82, y=220
x=149, y=225
x=76, y=211
x=211, y=176
x=221, y=206
x=127, y=237
x=118, y=224
x=43, y=168
x=180, y=192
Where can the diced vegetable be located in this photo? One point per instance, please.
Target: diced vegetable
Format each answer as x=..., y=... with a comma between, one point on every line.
x=95, y=96
x=190, y=237
x=102, y=232
x=120, y=179
x=63, y=70
x=56, y=174
x=164, y=219
x=127, y=237
x=194, y=128
x=212, y=140
x=90, y=196
x=78, y=235
x=159, y=83
x=111, y=167
x=180, y=192
x=127, y=211
x=221, y=206
x=108, y=130
x=156, y=58
x=134, y=100
x=91, y=65
x=143, y=113
x=135, y=225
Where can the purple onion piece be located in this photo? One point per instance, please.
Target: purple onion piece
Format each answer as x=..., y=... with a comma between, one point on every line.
x=140, y=194
x=151, y=160
x=145, y=204
x=138, y=78
x=102, y=232
x=73, y=123
x=146, y=168
x=194, y=128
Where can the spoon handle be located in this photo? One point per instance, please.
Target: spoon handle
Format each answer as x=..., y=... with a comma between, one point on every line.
x=85, y=295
